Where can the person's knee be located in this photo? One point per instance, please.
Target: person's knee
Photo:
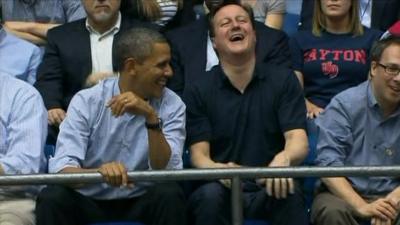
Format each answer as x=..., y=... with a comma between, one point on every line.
x=329, y=213
x=53, y=195
x=211, y=195
x=168, y=191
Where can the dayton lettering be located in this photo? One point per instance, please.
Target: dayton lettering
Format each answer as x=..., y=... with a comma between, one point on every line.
x=356, y=55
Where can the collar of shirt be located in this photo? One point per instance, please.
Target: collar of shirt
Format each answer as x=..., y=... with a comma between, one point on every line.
x=372, y=103
x=113, y=30
x=257, y=75
x=212, y=58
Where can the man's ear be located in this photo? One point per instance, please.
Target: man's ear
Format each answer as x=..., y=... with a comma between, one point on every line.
x=213, y=41
x=130, y=65
x=374, y=67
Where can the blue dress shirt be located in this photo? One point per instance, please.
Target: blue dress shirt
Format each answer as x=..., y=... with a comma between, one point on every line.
x=353, y=132
x=91, y=136
x=18, y=57
x=23, y=127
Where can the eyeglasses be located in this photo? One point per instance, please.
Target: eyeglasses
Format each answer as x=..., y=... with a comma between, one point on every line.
x=390, y=70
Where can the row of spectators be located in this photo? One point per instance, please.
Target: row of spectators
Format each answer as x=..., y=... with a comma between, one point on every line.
x=240, y=93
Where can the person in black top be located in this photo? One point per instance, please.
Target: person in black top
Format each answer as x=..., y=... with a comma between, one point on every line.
x=245, y=113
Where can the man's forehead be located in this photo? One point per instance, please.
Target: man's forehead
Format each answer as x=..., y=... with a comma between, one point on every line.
x=231, y=11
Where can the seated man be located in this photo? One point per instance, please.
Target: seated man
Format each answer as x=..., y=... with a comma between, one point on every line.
x=121, y=124
x=360, y=127
x=23, y=129
x=18, y=57
x=193, y=53
x=78, y=55
x=244, y=113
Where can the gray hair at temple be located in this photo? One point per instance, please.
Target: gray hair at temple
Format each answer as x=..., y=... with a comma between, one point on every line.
x=380, y=46
x=136, y=43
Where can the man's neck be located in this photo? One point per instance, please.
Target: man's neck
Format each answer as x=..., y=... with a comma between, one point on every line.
x=239, y=70
x=104, y=26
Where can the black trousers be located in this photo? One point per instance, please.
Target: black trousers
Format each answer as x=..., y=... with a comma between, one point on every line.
x=162, y=204
x=210, y=204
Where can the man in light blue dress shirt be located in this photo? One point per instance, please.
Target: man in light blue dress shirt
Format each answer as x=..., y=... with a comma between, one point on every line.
x=360, y=127
x=18, y=57
x=23, y=130
x=126, y=123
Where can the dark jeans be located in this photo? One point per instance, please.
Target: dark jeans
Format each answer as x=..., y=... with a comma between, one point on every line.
x=162, y=204
x=210, y=204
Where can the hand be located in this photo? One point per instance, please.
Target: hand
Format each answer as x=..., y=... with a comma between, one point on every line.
x=115, y=174
x=382, y=208
x=131, y=103
x=226, y=182
x=313, y=110
x=94, y=78
x=56, y=116
x=279, y=187
x=379, y=221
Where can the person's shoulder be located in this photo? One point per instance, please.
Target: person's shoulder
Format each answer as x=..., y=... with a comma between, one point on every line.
x=96, y=93
x=372, y=33
x=66, y=28
x=303, y=35
x=274, y=72
x=352, y=97
x=262, y=29
x=16, y=87
x=169, y=97
x=183, y=32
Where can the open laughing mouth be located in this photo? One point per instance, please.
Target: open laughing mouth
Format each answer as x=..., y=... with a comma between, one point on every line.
x=236, y=37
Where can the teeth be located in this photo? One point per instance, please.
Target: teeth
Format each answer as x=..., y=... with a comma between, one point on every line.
x=236, y=37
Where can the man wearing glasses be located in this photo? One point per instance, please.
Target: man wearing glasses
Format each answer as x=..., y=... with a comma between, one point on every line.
x=360, y=127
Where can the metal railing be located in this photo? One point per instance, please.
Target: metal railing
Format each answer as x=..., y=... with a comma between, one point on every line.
x=235, y=174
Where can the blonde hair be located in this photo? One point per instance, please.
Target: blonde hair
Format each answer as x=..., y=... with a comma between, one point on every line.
x=151, y=9
x=319, y=19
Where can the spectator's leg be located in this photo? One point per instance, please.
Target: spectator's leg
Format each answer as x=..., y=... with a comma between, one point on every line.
x=329, y=209
x=58, y=205
x=163, y=204
x=210, y=204
x=17, y=212
x=288, y=211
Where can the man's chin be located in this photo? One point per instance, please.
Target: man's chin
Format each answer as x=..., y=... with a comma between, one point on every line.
x=102, y=17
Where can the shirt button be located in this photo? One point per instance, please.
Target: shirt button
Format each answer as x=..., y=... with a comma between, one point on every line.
x=389, y=152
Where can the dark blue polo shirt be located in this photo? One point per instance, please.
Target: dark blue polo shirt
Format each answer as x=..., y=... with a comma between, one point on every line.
x=244, y=128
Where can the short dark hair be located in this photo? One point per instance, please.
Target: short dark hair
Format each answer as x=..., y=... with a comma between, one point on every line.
x=214, y=11
x=136, y=43
x=380, y=46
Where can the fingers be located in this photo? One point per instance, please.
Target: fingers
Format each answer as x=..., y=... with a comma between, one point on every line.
x=124, y=175
x=279, y=187
x=226, y=183
x=114, y=173
x=117, y=103
x=386, y=210
x=56, y=116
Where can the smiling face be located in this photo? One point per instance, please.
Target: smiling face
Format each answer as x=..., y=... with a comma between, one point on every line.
x=387, y=87
x=233, y=31
x=336, y=8
x=101, y=11
x=153, y=73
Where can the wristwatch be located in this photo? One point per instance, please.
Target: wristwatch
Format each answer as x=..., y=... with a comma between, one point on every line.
x=154, y=126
